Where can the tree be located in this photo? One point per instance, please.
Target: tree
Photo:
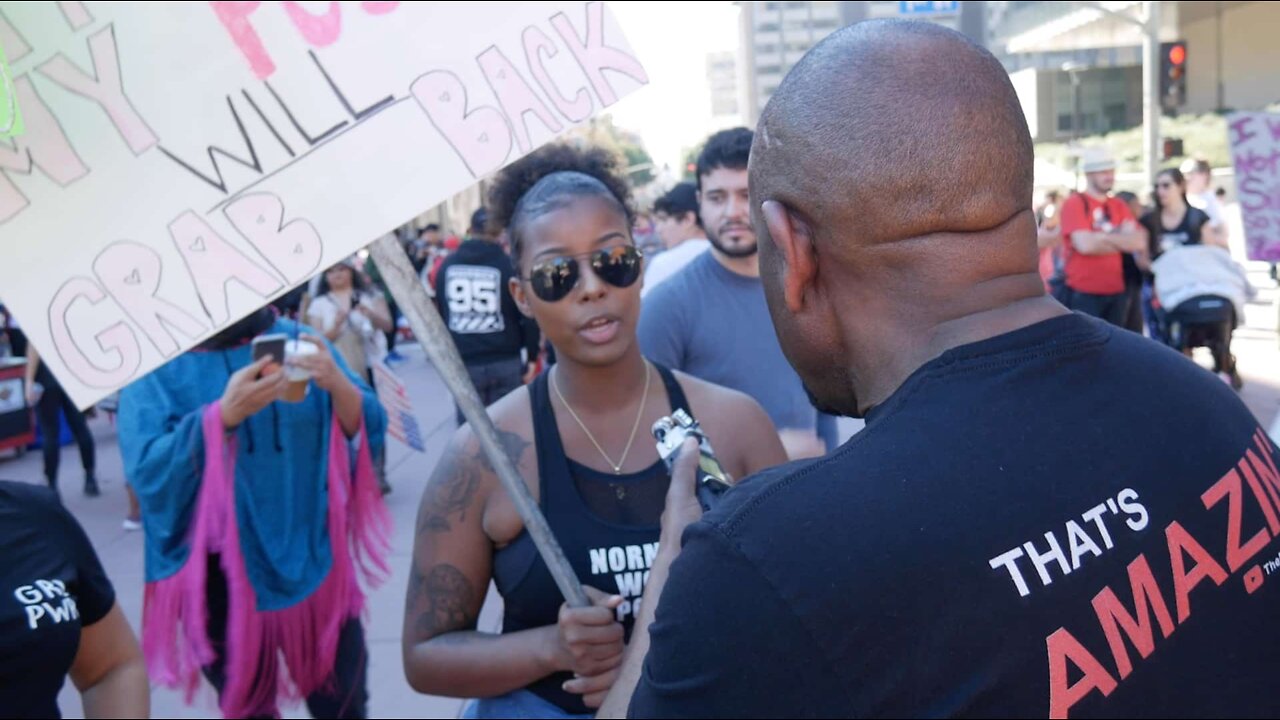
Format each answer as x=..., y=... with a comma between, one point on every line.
x=629, y=145
x=639, y=164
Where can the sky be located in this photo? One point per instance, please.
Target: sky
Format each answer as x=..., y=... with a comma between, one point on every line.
x=672, y=40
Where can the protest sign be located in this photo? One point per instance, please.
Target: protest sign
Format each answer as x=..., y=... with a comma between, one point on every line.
x=182, y=164
x=1255, y=150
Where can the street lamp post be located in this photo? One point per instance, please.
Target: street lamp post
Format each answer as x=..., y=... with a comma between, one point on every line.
x=1150, y=27
x=1073, y=71
x=1151, y=90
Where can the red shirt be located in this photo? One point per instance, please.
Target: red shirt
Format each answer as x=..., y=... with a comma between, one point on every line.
x=1093, y=274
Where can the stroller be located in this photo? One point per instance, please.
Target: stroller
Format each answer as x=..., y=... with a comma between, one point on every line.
x=1203, y=292
x=1206, y=321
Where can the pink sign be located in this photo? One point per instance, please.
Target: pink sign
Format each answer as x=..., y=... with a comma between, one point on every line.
x=185, y=163
x=1255, y=150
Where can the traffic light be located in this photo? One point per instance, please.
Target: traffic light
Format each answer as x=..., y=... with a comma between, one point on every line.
x=1173, y=74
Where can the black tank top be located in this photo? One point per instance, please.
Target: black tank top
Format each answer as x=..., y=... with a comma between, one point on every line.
x=1188, y=232
x=605, y=553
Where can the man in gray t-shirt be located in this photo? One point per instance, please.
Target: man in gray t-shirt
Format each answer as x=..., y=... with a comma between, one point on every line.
x=711, y=320
x=713, y=324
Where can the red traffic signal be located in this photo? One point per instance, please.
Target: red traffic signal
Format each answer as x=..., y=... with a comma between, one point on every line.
x=1173, y=74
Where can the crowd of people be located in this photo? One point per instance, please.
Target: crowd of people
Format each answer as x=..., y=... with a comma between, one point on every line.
x=1162, y=268
x=238, y=565
x=1032, y=488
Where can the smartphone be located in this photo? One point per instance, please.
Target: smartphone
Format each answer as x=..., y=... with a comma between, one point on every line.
x=270, y=345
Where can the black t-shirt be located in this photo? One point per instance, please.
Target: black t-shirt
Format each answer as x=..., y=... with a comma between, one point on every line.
x=975, y=551
x=476, y=305
x=1188, y=232
x=51, y=586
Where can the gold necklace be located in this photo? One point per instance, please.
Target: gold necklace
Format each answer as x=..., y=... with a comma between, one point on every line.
x=617, y=467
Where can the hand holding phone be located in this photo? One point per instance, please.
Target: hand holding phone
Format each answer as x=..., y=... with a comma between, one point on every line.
x=249, y=390
x=270, y=346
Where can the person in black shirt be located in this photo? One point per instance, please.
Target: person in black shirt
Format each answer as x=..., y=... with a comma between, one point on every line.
x=49, y=404
x=1133, y=275
x=1175, y=224
x=59, y=616
x=1045, y=515
x=474, y=302
x=579, y=436
x=1172, y=223
x=428, y=243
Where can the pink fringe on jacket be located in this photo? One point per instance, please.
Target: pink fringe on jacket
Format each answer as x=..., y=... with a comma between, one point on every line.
x=262, y=645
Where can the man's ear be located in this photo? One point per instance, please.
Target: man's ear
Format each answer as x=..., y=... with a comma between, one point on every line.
x=517, y=293
x=794, y=241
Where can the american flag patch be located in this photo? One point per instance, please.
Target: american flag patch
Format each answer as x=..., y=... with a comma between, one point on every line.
x=401, y=422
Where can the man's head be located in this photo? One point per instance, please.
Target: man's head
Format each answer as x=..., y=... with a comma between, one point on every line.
x=1099, y=169
x=431, y=235
x=891, y=203
x=1198, y=174
x=479, y=224
x=1131, y=201
x=676, y=215
x=723, y=200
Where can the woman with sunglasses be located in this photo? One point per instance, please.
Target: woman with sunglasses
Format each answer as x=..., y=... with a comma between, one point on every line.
x=579, y=436
x=1171, y=223
x=1174, y=222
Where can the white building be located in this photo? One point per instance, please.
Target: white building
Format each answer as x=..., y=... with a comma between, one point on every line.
x=1230, y=50
x=774, y=36
x=722, y=76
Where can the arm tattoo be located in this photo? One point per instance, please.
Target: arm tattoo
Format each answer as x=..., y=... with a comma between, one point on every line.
x=442, y=601
x=454, y=483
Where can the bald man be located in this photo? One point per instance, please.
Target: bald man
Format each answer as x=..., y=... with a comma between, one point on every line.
x=1045, y=515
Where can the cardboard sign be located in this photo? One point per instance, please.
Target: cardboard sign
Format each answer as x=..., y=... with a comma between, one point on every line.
x=1255, y=149
x=183, y=164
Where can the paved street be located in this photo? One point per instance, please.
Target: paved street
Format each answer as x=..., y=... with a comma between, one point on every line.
x=1255, y=345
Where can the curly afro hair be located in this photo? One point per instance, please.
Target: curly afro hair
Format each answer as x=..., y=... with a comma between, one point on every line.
x=547, y=180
